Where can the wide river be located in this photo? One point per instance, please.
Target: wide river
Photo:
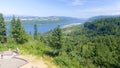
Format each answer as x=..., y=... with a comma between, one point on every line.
x=42, y=28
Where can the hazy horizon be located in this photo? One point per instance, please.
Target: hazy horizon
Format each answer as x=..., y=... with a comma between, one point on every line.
x=68, y=8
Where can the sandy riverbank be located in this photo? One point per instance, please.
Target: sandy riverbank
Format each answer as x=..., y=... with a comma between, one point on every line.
x=70, y=25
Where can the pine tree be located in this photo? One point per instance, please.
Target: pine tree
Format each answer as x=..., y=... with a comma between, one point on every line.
x=18, y=32
x=3, y=38
x=56, y=40
x=13, y=22
x=35, y=32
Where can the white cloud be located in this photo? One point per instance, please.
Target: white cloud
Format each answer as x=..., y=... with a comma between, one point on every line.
x=102, y=10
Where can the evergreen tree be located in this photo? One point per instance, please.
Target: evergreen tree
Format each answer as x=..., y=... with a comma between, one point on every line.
x=35, y=31
x=56, y=40
x=3, y=38
x=13, y=22
x=18, y=32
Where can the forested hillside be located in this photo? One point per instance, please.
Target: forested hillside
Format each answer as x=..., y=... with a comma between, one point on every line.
x=95, y=44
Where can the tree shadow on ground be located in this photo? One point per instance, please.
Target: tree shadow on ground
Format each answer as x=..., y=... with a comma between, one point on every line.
x=50, y=53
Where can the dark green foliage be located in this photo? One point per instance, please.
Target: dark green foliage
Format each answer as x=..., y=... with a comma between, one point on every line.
x=35, y=32
x=3, y=35
x=96, y=45
x=17, y=31
x=107, y=26
x=55, y=40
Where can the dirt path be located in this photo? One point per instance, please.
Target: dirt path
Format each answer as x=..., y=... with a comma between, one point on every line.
x=11, y=59
x=35, y=63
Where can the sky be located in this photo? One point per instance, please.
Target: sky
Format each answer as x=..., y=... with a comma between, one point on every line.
x=69, y=8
